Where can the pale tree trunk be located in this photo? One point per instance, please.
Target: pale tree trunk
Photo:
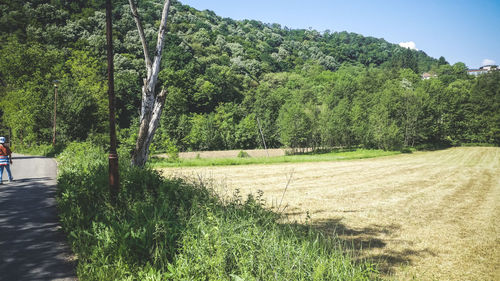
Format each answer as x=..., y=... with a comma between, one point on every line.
x=151, y=103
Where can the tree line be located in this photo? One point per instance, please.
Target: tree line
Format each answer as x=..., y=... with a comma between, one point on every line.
x=224, y=77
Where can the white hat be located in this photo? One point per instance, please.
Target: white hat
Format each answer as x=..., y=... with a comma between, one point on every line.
x=2, y=139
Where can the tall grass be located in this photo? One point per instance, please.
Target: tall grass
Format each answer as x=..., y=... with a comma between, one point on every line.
x=161, y=229
x=312, y=157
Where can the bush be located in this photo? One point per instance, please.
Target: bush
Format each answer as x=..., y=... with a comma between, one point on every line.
x=243, y=154
x=406, y=150
x=159, y=229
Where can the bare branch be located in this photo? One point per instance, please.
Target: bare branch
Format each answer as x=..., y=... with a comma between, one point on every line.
x=289, y=179
x=147, y=60
x=159, y=43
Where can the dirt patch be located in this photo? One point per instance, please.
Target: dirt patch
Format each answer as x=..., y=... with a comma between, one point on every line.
x=232, y=153
x=427, y=215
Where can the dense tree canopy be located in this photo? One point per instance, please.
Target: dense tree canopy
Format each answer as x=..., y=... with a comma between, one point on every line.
x=223, y=77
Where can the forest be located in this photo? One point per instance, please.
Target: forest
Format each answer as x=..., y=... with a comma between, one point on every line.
x=226, y=78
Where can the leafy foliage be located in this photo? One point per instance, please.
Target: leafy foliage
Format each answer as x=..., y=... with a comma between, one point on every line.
x=224, y=77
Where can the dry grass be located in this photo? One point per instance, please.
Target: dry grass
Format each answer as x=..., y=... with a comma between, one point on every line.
x=229, y=153
x=427, y=215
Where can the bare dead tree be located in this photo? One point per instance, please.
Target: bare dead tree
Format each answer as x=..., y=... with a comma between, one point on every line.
x=151, y=102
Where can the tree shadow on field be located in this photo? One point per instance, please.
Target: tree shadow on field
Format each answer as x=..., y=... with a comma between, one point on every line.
x=369, y=244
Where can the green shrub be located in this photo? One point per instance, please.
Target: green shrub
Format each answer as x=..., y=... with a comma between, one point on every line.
x=172, y=150
x=243, y=154
x=159, y=229
x=406, y=150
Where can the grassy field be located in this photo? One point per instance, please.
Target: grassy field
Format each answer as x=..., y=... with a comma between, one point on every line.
x=426, y=215
x=215, y=158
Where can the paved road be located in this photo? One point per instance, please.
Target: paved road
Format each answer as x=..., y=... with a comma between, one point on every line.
x=32, y=245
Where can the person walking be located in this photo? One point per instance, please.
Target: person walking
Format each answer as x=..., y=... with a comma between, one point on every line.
x=5, y=160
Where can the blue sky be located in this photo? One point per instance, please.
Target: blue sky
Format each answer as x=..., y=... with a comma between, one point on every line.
x=461, y=31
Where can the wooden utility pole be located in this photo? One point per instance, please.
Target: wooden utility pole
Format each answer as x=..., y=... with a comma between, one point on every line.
x=114, y=180
x=55, y=112
x=262, y=135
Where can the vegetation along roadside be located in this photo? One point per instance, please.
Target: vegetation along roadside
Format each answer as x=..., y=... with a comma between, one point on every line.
x=161, y=229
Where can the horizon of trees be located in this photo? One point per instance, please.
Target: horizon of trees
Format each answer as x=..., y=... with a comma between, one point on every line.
x=307, y=89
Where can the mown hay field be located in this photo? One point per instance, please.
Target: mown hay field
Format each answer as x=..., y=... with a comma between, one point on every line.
x=427, y=215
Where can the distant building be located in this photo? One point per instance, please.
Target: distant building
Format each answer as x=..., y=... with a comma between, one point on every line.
x=428, y=75
x=488, y=67
x=482, y=70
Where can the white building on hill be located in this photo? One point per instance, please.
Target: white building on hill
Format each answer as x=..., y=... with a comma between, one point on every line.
x=482, y=70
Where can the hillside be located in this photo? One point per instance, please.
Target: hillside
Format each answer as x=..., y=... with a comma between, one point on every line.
x=222, y=77
x=261, y=47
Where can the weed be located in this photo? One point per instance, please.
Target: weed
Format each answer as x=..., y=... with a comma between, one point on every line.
x=243, y=154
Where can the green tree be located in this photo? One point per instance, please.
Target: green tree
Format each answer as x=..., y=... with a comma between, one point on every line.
x=485, y=109
x=411, y=106
x=27, y=73
x=247, y=135
x=294, y=126
x=336, y=125
x=456, y=116
x=405, y=58
x=383, y=117
x=204, y=134
x=83, y=97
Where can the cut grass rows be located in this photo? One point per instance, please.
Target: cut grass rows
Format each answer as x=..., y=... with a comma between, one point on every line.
x=421, y=216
